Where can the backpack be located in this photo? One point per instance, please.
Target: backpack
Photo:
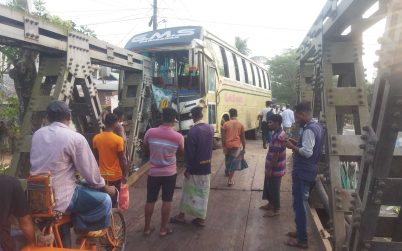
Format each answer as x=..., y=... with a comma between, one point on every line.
x=269, y=114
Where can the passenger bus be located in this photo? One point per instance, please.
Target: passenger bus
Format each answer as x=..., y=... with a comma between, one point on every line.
x=193, y=67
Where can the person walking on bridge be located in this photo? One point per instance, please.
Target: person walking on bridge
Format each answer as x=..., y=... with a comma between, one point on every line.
x=288, y=120
x=266, y=132
x=198, y=153
x=306, y=153
x=162, y=144
x=232, y=137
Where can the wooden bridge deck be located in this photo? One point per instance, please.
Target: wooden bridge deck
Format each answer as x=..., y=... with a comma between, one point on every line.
x=234, y=221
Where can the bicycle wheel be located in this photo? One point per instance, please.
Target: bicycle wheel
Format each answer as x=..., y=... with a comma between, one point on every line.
x=115, y=238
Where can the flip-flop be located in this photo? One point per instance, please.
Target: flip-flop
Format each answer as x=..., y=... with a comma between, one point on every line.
x=231, y=183
x=266, y=207
x=197, y=223
x=167, y=232
x=149, y=231
x=175, y=220
x=271, y=214
x=295, y=243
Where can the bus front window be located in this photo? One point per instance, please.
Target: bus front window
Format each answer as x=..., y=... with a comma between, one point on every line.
x=173, y=71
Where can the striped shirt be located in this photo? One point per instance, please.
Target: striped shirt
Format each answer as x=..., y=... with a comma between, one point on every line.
x=277, y=145
x=58, y=150
x=163, y=143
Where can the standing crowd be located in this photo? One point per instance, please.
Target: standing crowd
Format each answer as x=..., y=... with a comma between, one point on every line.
x=277, y=132
x=105, y=169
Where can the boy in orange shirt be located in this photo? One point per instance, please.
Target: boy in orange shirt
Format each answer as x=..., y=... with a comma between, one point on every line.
x=109, y=152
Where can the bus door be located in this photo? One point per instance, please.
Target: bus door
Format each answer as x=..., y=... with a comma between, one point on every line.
x=211, y=93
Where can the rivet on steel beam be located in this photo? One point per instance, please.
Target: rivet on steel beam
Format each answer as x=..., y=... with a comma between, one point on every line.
x=381, y=183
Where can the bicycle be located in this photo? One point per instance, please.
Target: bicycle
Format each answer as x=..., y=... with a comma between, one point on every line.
x=40, y=197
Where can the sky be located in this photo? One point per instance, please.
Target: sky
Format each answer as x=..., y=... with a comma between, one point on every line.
x=271, y=26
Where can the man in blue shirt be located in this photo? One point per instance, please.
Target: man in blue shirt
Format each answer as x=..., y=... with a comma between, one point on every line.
x=306, y=153
x=196, y=184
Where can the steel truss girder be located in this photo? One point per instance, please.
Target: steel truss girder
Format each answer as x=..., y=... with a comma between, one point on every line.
x=334, y=18
x=65, y=67
x=380, y=181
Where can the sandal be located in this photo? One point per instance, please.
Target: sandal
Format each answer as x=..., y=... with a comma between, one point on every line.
x=198, y=223
x=176, y=220
x=266, y=207
x=230, y=183
x=167, y=232
x=295, y=243
x=271, y=214
x=292, y=234
x=149, y=231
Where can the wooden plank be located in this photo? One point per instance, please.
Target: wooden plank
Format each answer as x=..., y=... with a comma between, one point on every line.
x=234, y=221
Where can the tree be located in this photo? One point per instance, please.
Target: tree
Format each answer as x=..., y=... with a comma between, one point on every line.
x=241, y=46
x=283, y=70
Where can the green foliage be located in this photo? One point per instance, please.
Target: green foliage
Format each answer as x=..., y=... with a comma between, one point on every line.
x=241, y=46
x=283, y=69
x=8, y=107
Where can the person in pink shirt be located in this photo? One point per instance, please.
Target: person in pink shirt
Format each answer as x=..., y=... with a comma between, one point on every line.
x=162, y=144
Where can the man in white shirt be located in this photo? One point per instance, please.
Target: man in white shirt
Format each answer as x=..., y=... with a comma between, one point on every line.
x=266, y=133
x=288, y=119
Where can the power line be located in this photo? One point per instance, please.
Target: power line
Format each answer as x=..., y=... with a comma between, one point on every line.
x=99, y=11
x=134, y=27
x=245, y=25
x=121, y=19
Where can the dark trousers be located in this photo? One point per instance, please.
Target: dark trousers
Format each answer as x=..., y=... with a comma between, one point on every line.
x=116, y=184
x=272, y=188
x=301, y=192
x=266, y=133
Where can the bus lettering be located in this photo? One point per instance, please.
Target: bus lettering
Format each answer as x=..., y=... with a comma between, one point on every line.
x=163, y=36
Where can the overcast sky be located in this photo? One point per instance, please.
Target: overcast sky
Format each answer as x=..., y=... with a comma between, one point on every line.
x=269, y=25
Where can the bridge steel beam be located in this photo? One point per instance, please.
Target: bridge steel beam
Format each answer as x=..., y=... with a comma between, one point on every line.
x=380, y=181
x=332, y=78
x=65, y=73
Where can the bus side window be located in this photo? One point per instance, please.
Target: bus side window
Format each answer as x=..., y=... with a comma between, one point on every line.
x=263, y=76
x=211, y=79
x=245, y=71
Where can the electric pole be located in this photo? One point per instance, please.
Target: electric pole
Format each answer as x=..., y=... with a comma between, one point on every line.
x=155, y=16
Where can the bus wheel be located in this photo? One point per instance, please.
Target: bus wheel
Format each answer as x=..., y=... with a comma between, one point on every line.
x=252, y=134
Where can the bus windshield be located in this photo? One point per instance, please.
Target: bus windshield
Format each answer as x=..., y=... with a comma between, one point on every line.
x=172, y=70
